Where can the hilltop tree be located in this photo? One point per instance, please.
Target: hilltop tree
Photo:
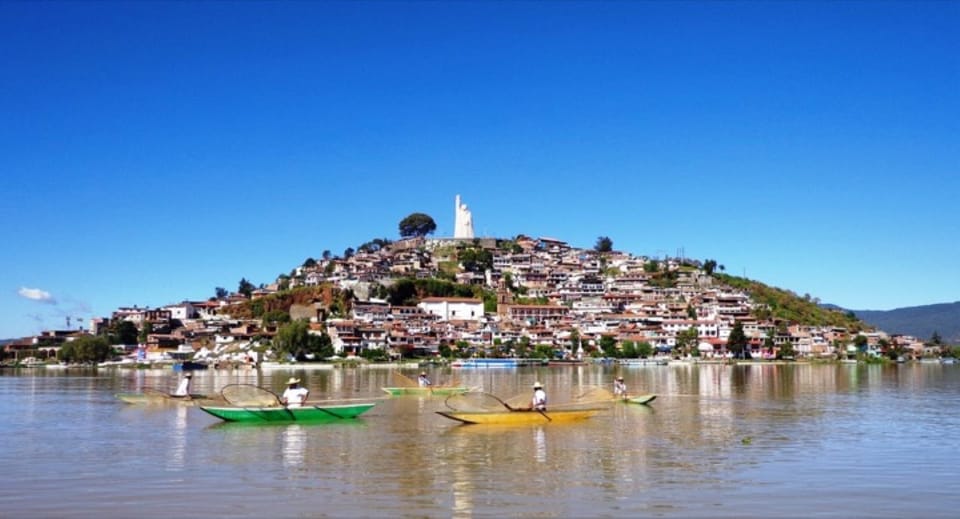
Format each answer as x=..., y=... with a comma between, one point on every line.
x=245, y=287
x=348, y=253
x=326, y=255
x=417, y=225
x=709, y=266
x=604, y=244
x=221, y=292
x=309, y=263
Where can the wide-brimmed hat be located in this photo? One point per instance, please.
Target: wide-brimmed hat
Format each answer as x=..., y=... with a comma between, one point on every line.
x=619, y=378
x=423, y=373
x=188, y=374
x=293, y=381
x=537, y=385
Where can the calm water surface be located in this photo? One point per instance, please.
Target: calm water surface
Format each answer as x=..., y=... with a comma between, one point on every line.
x=719, y=441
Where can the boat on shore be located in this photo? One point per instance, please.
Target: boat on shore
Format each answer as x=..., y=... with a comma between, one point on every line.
x=277, y=414
x=521, y=416
x=426, y=391
x=497, y=363
x=643, y=362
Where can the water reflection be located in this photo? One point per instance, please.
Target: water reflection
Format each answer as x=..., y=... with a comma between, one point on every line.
x=719, y=441
x=294, y=439
x=178, y=438
x=540, y=441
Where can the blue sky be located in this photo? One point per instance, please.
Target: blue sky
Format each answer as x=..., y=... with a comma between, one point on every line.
x=152, y=151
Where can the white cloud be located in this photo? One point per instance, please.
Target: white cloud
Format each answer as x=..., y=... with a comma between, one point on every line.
x=36, y=294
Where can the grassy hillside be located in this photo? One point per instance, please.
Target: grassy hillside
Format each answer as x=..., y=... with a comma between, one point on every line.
x=783, y=304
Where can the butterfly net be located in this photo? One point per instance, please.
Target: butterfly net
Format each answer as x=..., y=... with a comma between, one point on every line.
x=247, y=395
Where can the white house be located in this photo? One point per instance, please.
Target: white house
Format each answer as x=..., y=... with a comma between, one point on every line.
x=453, y=308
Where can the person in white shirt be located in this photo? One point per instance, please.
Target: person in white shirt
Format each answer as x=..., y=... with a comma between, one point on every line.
x=423, y=380
x=183, y=389
x=539, y=400
x=619, y=388
x=294, y=395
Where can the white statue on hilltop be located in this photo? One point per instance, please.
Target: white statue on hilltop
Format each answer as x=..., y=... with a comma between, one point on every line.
x=463, y=221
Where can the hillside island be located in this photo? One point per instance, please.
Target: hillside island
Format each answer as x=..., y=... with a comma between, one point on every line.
x=442, y=299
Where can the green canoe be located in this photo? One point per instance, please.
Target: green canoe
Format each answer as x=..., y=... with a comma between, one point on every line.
x=642, y=399
x=439, y=391
x=307, y=414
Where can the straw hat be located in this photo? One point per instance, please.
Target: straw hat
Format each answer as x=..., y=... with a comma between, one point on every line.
x=423, y=373
x=293, y=381
x=536, y=385
x=619, y=378
x=188, y=374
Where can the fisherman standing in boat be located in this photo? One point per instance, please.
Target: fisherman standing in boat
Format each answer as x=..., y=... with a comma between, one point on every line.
x=539, y=401
x=183, y=389
x=619, y=388
x=423, y=380
x=294, y=395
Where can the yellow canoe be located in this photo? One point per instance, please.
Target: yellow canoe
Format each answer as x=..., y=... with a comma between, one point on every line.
x=521, y=417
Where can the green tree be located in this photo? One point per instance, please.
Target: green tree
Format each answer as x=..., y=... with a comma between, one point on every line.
x=475, y=259
x=309, y=263
x=245, y=287
x=145, y=332
x=325, y=255
x=629, y=350
x=608, y=345
x=275, y=317
x=417, y=225
x=737, y=342
x=686, y=341
x=86, y=349
x=222, y=292
x=709, y=266
x=123, y=332
x=294, y=339
x=604, y=244
x=644, y=350
x=860, y=341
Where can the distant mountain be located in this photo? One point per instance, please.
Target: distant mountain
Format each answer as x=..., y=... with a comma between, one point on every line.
x=919, y=321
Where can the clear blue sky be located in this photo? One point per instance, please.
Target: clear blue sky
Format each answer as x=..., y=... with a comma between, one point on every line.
x=152, y=151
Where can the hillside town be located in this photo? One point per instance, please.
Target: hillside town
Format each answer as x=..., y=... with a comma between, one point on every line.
x=571, y=303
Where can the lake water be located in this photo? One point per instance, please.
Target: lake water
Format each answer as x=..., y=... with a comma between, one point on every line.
x=719, y=441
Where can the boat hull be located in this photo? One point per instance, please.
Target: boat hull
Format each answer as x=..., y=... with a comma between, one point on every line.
x=308, y=414
x=440, y=391
x=159, y=398
x=520, y=417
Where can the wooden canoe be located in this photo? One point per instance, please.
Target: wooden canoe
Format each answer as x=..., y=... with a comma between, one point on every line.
x=164, y=398
x=430, y=390
x=521, y=417
x=307, y=414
